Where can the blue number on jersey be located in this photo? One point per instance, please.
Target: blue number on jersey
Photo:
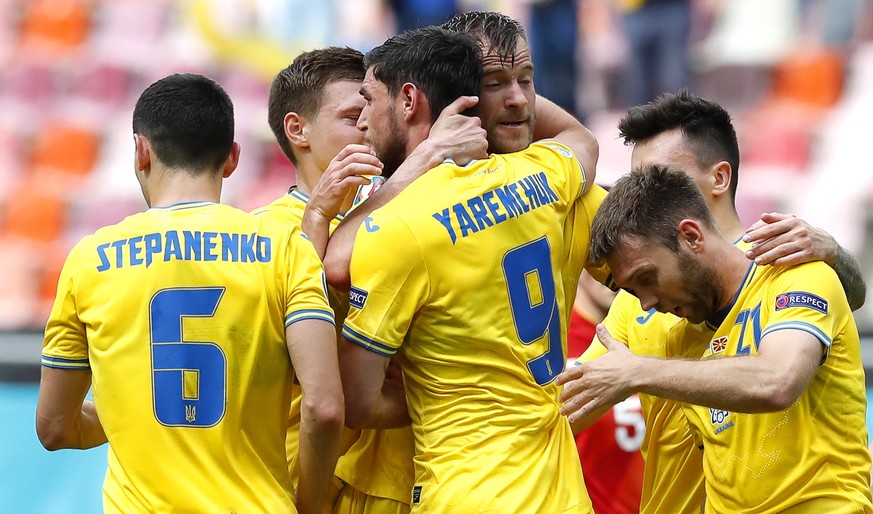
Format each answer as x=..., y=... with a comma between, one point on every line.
x=535, y=315
x=189, y=378
x=753, y=315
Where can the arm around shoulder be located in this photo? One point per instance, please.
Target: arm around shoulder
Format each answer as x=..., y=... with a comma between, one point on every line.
x=553, y=122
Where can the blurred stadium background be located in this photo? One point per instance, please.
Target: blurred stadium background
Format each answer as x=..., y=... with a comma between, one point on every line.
x=797, y=75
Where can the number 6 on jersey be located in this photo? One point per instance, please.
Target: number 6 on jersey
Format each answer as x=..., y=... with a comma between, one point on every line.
x=188, y=378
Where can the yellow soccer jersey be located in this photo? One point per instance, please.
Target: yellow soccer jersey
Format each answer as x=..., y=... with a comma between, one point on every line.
x=375, y=462
x=180, y=313
x=673, y=476
x=459, y=276
x=577, y=236
x=811, y=457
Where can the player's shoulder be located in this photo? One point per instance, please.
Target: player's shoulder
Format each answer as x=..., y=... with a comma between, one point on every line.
x=814, y=272
x=112, y=232
x=286, y=209
x=552, y=147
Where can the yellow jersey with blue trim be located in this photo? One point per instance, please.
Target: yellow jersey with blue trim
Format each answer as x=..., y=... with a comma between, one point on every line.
x=577, y=236
x=180, y=314
x=673, y=475
x=375, y=462
x=460, y=277
x=811, y=457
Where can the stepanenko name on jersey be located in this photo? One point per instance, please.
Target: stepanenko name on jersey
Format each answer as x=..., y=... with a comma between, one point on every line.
x=496, y=206
x=187, y=246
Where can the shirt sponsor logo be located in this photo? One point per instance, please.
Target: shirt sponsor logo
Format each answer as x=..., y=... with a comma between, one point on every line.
x=416, y=494
x=801, y=299
x=357, y=297
x=718, y=345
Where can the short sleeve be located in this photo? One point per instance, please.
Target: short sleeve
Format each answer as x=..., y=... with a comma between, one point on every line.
x=65, y=345
x=563, y=161
x=389, y=283
x=809, y=298
x=307, y=286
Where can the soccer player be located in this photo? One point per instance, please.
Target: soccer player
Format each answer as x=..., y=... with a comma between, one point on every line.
x=191, y=319
x=697, y=135
x=778, y=395
x=511, y=114
x=313, y=110
x=471, y=299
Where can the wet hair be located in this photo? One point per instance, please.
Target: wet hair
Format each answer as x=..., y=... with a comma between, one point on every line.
x=648, y=203
x=188, y=119
x=496, y=30
x=443, y=64
x=705, y=125
x=300, y=86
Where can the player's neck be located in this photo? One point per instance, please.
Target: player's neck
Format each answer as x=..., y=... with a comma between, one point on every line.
x=732, y=269
x=167, y=188
x=728, y=222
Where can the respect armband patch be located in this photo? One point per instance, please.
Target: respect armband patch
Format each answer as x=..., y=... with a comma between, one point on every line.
x=357, y=297
x=801, y=299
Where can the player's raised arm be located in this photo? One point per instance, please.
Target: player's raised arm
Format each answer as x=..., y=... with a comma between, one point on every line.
x=553, y=122
x=454, y=135
x=348, y=170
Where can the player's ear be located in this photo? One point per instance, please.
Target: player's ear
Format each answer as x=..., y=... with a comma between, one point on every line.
x=721, y=178
x=691, y=234
x=414, y=102
x=142, y=154
x=232, y=160
x=296, y=130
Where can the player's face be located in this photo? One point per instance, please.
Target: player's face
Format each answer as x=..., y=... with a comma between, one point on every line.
x=379, y=122
x=678, y=283
x=669, y=148
x=335, y=124
x=507, y=100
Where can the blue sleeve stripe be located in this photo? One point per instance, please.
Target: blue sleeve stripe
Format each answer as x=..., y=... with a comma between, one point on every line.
x=366, y=342
x=300, y=315
x=799, y=325
x=61, y=363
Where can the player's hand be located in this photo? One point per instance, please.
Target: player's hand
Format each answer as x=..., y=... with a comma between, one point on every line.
x=458, y=135
x=784, y=240
x=342, y=177
x=597, y=384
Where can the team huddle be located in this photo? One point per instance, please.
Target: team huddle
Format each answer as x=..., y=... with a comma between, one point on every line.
x=358, y=349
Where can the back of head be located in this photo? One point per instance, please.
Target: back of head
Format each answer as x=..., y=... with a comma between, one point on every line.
x=188, y=119
x=444, y=65
x=300, y=86
x=497, y=32
x=705, y=125
x=647, y=203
